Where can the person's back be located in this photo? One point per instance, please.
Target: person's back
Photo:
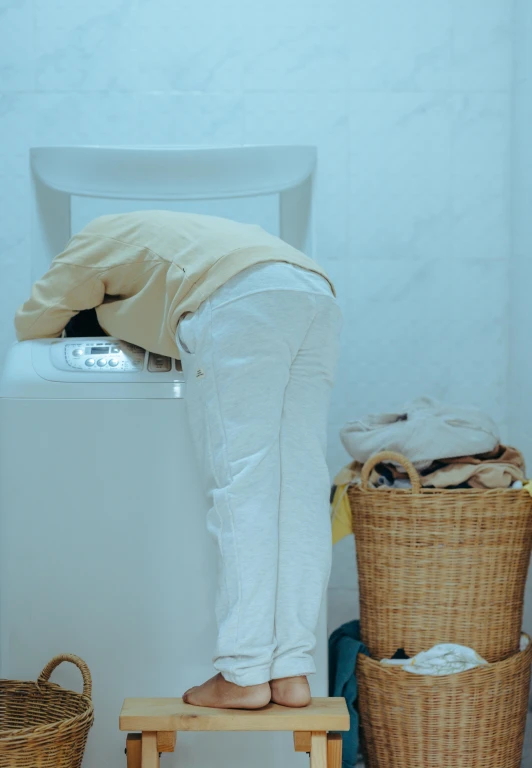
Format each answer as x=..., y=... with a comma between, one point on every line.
x=142, y=271
x=169, y=232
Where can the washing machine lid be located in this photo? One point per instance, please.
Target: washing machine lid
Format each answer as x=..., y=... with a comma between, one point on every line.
x=188, y=173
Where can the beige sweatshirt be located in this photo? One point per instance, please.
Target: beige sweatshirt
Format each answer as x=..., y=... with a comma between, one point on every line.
x=143, y=270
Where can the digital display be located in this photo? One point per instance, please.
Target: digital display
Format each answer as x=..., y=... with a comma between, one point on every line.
x=99, y=350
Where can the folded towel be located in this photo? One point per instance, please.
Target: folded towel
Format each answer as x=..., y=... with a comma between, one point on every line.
x=424, y=430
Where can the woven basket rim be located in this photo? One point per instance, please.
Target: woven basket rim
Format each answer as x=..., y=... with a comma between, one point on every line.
x=38, y=730
x=494, y=666
x=482, y=492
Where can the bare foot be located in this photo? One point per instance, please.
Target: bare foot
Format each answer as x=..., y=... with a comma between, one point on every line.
x=217, y=692
x=291, y=691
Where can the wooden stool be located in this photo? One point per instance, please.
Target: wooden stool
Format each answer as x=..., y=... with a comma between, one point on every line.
x=158, y=721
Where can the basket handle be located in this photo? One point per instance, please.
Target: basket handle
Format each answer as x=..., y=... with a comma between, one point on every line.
x=372, y=462
x=79, y=663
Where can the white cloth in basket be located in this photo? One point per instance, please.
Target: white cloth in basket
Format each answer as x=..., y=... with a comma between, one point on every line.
x=424, y=431
x=442, y=659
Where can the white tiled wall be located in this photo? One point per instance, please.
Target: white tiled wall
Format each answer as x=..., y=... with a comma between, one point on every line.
x=520, y=369
x=521, y=272
x=409, y=105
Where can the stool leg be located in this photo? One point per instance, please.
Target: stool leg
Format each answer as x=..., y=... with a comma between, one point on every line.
x=334, y=750
x=318, y=749
x=134, y=750
x=302, y=741
x=150, y=752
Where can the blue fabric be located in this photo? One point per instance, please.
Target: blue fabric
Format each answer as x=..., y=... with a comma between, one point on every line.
x=344, y=647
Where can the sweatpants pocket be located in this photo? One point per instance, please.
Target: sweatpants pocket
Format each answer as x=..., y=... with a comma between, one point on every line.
x=183, y=334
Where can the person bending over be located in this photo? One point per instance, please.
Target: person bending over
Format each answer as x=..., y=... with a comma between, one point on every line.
x=256, y=325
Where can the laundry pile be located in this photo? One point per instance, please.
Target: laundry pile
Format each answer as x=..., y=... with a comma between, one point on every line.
x=345, y=645
x=441, y=659
x=449, y=446
x=406, y=599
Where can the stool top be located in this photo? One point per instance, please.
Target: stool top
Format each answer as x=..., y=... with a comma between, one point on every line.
x=322, y=714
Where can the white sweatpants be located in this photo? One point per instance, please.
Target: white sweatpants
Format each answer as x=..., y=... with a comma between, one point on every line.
x=259, y=358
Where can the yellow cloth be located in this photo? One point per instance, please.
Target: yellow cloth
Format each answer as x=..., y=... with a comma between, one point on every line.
x=141, y=271
x=342, y=524
x=340, y=507
x=528, y=487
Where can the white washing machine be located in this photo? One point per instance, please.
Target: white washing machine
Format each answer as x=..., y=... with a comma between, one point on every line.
x=103, y=545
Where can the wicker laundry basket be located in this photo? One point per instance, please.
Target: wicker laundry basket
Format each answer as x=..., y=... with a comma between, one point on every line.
x=43, y=725
x=473, y=719
x=440, y=566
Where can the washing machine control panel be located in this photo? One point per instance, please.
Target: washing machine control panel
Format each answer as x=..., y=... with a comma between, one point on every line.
x=100, y=356
x=108, y=357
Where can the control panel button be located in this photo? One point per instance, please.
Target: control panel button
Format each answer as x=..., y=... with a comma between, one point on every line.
x=102, y=361
x=113, y=362
x=77, y=353
x=159, y=363
x=90, y=362
x=133, y=348
x=115, y=350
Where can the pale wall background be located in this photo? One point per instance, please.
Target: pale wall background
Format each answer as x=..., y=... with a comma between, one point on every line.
x=520, y=370
x=411, y=105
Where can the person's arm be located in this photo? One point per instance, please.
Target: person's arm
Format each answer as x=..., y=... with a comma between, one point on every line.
x=71, y=285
